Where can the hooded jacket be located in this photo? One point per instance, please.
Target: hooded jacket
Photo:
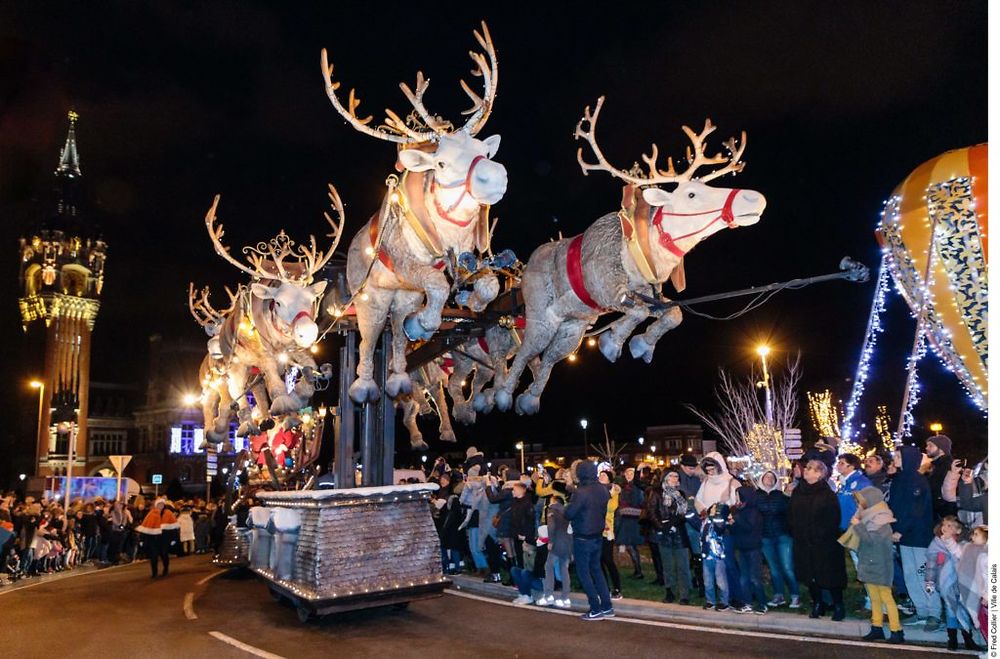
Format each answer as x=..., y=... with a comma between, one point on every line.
x=910, y=501
x=855, y=482
x=773, y=506
x=717, y=488
x=748, y=523
x=814, y=517
x=589, y=505
x=874, y=534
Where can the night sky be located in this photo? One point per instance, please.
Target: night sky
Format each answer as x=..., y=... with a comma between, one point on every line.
x=180, y=101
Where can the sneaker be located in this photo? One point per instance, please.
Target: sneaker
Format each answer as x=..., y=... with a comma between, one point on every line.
x=916, y=620
x=592, y=615
x=906, y=608
x=608, y=613
x=778, y=600
x=492, y=578
x=707, y=605
x=545, y=600
x=745, y=608
x=932, y=624
x=721, y=607
x=795, y=603
x=563, y=604
x=523, y=599
x=616, y=594
x=760, y=610
x=685, y=601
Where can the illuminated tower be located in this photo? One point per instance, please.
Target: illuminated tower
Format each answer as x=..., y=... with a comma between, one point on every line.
x=62, y=272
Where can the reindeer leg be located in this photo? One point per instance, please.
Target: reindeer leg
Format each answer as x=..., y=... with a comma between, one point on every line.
x=461, y=407
x=425, y=322
x=484, y=290
x=281, y=402
x=446, y=432
x=643, y=344
x=410, y=421
x=538, y=334
x=371, y=315
x=405, y=302
x=612, y=340
x=566, y=341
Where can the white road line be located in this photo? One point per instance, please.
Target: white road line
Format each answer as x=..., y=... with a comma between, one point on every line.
x=204, y=581
x=189, y=607
x=716, y=630
x=243, y=646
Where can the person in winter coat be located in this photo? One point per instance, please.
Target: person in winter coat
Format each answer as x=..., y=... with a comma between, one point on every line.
x=475, y=507
x=714, y=530
x=814, y=521
x=522, y=514
x=870, y=536
x=719, y=486
x=627, y=533
x=973, y=490
x=938, y=449
x=972, y=577
x=151, y=536
x=606, y=478
x=941, y=575
x=171, y=530
x=186, y=531
x=776, y=542
x=852, y=479
x=875, y=471
x=911, y=503
x=560, y=546
x=587, y=511
x=747, y=530
x=668, y=519
x=121, y=526
x=499, y=492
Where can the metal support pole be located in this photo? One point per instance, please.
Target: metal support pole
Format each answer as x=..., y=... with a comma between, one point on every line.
x=69, y=462
x=387, y=418
x=343, y=461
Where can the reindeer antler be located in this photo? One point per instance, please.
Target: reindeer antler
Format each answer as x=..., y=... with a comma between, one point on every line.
x=696, y=157
x=204, y=313
x=308, y=259
x=395, y=129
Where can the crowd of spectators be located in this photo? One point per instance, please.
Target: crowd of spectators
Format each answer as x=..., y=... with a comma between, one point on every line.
x=40, y=537
x=912, y=525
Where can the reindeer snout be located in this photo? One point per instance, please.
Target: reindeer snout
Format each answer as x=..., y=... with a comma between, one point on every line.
x=749, y=207
x=489, y=182
x=305, y=332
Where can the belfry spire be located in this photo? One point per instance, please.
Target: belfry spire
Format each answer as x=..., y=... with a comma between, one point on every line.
x=69, y=159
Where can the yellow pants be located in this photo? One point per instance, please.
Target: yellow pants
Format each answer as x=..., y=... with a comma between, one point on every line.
x=882, y=596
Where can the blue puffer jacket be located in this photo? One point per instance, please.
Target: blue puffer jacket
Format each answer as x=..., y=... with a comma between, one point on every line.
x=773, y=506
x=589, y=504
x=910, y=501
x=856, y=482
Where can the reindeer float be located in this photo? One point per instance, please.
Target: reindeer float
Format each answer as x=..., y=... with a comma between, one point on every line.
x=261, y=343
x=567, y=284
x=433, y=217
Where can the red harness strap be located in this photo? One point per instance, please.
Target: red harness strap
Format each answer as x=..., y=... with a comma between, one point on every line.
x=574, y=270
x=482, y=344
x=467, y=189
x=383, y=255
x=670, y=243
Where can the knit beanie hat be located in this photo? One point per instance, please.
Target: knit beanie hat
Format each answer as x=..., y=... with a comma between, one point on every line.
x=943, y=442
x=472, y=451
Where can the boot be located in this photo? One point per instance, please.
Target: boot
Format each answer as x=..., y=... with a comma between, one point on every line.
x=669, y=597
x=876, y=634
x=838, y=612
x=970, y=643
x=952, y=639
x=818, y=609
x=896, y=638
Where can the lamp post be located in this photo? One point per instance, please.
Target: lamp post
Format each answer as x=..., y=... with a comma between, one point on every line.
x=763, y=351
x=520, y=447
x=38, y=384
x=583, y=424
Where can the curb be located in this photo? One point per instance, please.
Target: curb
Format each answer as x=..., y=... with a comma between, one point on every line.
x=774, y=622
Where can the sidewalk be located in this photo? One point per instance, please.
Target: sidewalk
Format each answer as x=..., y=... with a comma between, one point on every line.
x=28, y=582
x=774, y=621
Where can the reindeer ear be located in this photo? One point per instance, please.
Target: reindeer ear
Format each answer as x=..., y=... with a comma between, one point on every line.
x=492, y=143
x=318, y=288
x=416, y=160
x=262, y=291
x=677, y=277
x=656, y=197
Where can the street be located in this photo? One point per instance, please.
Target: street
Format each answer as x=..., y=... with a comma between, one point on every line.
x=199, y=612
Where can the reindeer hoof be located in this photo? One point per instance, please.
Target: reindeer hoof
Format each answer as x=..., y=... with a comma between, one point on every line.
x=464, y=413
x=486, y=289
x=415, y=330
x=362, y=391
x=418, y=444
x=611, y=350
x=528, y=404
x=483, y=402
x=398, y=383
x=503, y=400
x=283, y=405
x=640, y=349
x=448, y=436
x=247, y=428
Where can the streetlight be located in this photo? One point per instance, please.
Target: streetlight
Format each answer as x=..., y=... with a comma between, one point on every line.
x=189, y=400
x=520, y=447
x=38, y=384
x=936, y=427
x=763, y=351
x=584, y=424
x=642, y=440
x=22, y=477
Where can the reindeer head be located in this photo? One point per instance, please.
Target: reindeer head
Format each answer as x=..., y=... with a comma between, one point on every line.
x=692, y=210
x=283, y=272
x=458, y=159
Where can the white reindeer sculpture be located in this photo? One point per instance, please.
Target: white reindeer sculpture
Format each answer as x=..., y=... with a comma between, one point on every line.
x=567, y=284
x=430, y=381
x=268, y=330
x=435, y=215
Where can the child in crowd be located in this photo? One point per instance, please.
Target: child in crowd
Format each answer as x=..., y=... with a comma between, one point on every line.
x=870, y=535
x=941, y=575
x=713, y=554
x=560, y=544
x=972, y=577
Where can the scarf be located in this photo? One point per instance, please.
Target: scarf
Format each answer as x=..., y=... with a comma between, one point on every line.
x=679, y=502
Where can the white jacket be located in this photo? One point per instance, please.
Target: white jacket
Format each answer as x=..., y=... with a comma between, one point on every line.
x=187, y=526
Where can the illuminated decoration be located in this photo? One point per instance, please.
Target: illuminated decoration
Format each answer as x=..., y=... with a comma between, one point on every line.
x=867, y=350
x=934, y=244
x=766, y=449
x=824, y=413
x=883, y=426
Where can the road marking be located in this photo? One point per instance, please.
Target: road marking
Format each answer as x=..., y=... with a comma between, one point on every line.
x=716, y=630
x=243, y=646
x=204, y=581
x=189, y=607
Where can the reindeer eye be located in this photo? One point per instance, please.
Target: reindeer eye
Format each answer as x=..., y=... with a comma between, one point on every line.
x=442, y=164
x=690, y=195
